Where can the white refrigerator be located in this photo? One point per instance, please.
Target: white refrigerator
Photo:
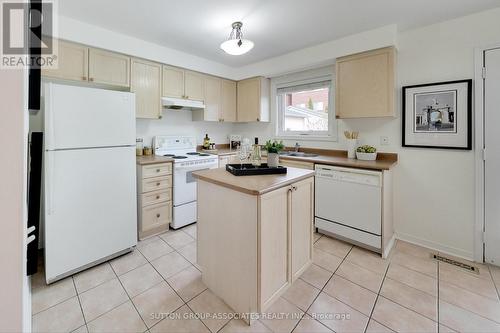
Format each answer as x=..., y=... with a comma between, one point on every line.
x=90, y=177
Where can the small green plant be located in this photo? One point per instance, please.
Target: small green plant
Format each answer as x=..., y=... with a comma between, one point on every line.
x=366, y=149
x=274, y=147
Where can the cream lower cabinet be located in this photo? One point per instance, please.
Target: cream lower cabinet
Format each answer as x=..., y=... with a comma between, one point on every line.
x=252, y=253
x=296, y=164
x=154, y=198
x=285, y=233
x=146, y=84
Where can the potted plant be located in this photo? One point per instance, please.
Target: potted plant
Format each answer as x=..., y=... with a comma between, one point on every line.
x=273, y=149
x=366, y=153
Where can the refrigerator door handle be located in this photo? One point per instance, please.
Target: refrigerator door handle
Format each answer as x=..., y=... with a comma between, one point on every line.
x=49, y=185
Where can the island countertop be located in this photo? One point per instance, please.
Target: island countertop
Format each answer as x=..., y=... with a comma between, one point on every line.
x=254, y=185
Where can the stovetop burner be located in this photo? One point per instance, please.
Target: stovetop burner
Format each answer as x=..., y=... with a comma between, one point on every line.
x=169, y=155
x=193, y=153
x=203, y=154
x=179, y=157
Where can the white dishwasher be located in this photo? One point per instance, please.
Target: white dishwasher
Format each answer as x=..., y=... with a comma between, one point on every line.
x=348, y=204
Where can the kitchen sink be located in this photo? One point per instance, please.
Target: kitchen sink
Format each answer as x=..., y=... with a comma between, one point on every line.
x=298, y=154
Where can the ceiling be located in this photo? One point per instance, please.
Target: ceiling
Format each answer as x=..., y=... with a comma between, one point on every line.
x=276, y=26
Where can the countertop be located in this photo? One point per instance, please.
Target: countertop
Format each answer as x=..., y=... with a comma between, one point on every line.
x=254, y=185
x=152, y=159
x=384, y=161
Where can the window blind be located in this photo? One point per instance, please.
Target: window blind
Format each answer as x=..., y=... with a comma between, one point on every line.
x=304, y=87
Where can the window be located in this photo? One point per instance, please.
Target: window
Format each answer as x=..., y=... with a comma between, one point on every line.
x=305, y=109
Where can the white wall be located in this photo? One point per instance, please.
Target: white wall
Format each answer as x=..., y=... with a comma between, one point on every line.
x=440, y=181
x=178, y=122
x=322, y=54
x=434, y=189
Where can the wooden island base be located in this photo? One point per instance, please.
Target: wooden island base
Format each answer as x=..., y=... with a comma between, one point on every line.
x=254, y=241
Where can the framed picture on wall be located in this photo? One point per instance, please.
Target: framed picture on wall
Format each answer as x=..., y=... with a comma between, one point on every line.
x=438, y=115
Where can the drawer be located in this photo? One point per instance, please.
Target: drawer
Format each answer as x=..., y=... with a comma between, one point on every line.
x=155, y=216
x=156, y=197
x=157, y=183
x=155, y=170
x=297, y=164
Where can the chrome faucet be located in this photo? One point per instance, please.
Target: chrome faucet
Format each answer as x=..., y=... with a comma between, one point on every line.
x=297, y=147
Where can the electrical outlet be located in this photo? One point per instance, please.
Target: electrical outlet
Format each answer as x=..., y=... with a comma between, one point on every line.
x=384, y=140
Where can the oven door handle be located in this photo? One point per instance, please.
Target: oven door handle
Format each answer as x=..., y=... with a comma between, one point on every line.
x=195, y=167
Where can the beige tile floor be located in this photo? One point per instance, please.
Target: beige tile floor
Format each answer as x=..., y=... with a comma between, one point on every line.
x=158, y=288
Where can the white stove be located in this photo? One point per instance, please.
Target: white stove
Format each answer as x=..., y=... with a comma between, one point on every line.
x=186, y=161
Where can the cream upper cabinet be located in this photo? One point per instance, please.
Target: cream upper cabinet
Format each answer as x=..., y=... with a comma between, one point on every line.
x=146, y=84
x=173, y=82
x=109, y=68
x=228, y=101
x=219, y=99
x=194, y=86
x=253, y=100
x=72, y=63
x=365, y=84
x=213, y=97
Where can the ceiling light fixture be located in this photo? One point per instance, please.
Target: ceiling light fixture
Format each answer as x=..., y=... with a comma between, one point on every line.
x=236, y=45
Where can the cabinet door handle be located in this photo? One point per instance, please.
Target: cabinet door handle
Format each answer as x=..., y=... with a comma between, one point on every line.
x=258, y=119
x=157, y=197
x=91, y=79
x=157, y=215
x=84, y=78
x=157, y=184
x=294, y=188
x=157, y=170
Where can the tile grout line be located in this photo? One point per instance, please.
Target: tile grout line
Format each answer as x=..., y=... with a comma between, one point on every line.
x=185, y=303
x=321, y=290
x=130, y=299
x=494, y=283
x=80, y=303
x=438, y=316
x=376, y=299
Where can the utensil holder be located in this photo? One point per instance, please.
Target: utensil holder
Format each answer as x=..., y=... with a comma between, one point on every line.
x=351, y=148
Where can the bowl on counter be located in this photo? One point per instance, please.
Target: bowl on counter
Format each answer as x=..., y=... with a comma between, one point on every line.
x=366, y=156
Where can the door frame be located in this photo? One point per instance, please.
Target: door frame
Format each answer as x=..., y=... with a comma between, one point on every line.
x=479, y=146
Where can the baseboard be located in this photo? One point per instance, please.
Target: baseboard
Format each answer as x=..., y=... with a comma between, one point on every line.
x=436, y=247
x=389, y=247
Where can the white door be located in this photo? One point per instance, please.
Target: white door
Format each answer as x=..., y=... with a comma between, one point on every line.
x=81, y=117
x=90, y=206
x=492, y=161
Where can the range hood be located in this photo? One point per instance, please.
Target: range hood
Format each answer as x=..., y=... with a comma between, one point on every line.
x=181, y=103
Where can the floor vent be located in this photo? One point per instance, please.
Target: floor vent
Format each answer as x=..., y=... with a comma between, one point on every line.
x=469, y=268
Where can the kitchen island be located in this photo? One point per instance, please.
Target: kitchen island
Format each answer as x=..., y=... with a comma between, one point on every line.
x=255, y=234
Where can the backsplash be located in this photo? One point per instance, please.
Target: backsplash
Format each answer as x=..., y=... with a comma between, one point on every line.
x=179, y=122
